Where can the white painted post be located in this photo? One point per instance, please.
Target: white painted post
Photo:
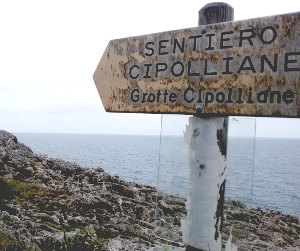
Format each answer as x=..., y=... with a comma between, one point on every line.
x=207, y=142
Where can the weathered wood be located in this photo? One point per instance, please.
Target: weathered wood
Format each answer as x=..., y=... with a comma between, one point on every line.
x=249, y=68
x=216, y=12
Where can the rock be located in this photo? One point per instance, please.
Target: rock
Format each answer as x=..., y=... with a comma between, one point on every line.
x=62, y=202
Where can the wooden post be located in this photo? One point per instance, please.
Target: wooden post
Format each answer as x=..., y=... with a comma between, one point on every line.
x=207, y=142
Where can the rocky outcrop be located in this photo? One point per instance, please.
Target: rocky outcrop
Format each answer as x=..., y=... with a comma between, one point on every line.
x=51, y=204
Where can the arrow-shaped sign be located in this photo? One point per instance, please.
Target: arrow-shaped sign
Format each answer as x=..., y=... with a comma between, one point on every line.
x=249, y=68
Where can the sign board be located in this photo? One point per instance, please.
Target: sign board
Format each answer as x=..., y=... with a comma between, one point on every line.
x=249, y=68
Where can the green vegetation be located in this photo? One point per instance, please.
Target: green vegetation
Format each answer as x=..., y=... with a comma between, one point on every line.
x=70, y=227
x=65, y=227
x=7, y=243
x=238, y=234
x=32, y=163
x=5, y=240
x=50, y=243
x=10, y=188
x=79, y=242
x=106, y=233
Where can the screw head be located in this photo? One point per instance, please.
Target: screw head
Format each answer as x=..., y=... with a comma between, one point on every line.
x=198, y=109
x=203, y=30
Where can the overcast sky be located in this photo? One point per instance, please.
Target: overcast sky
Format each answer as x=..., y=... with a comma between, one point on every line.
x=49, y=51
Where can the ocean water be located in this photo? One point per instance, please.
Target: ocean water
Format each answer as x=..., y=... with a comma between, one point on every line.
x=267, y=175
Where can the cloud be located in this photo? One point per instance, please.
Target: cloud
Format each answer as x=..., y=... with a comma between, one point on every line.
x=50, y=49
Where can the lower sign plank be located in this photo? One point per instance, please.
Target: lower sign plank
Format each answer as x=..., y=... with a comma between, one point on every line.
x=249, y=68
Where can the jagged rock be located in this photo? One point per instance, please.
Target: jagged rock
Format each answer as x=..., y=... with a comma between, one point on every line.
x=53, y=201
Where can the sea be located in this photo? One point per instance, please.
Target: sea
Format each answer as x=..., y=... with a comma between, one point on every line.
x=261, y=172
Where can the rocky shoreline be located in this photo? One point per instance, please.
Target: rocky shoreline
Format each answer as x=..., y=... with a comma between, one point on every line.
x=51, y=204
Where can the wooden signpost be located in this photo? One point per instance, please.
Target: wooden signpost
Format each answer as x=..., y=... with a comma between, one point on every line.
x=221, y=68
x=249, y=68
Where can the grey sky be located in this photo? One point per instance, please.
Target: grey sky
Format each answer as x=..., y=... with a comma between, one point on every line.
x=50, y=49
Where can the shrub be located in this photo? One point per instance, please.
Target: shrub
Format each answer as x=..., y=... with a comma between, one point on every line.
x=10, y=188
x=7, y=243
x=49, y=243
x=79, y=242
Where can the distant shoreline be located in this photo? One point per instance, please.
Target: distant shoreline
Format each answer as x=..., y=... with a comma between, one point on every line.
x=143, y=135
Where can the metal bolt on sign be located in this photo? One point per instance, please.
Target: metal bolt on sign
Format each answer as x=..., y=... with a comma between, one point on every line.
x=218, y=69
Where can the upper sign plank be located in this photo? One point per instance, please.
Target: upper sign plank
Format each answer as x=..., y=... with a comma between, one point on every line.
x=249, y=68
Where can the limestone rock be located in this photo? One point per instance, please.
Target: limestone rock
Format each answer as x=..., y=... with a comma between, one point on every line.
x=48, y=203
